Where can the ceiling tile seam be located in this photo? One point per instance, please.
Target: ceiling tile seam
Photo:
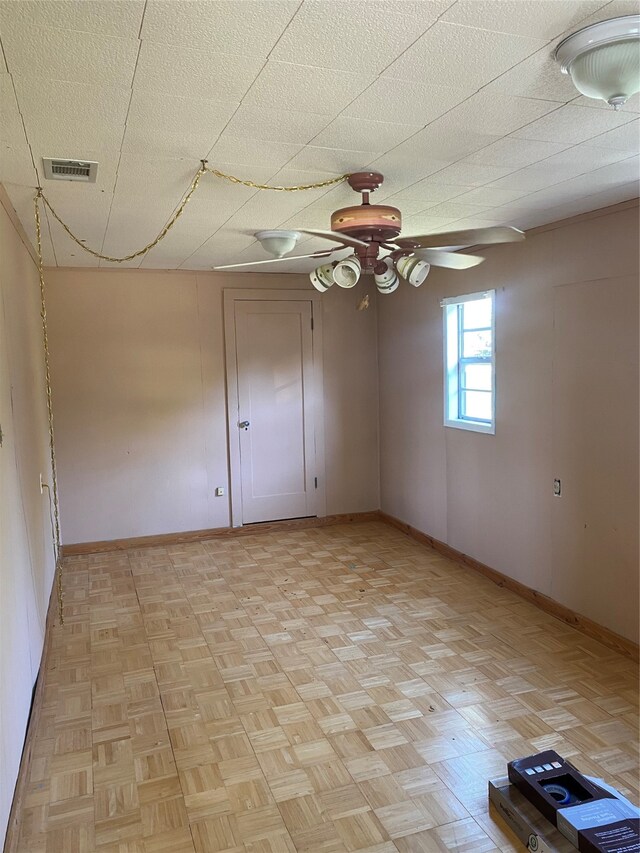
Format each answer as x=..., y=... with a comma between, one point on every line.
x=526, y=124
x=582, y=174
x=481, y=209
x=561, y=204
x=526, y=194
x=588, y=199
x=215, y=142
x=380, y=75
x=590, y=14
x=631, y=117
x=471, y=95
x=328, y=189
x=4, y=56
x=38, y=179
x=278, y=169
x=389, y=149
x=222, y=225
x=417, y=39
x=592, y=106
x=545, y=45
x=144, y=12
x=592, y=139
x=253, y=83
x=24, y=130
x=365, y=90
x=144, y=257
x=560, y=104
x=277, y=42
x=124, y=132
x=506, y=135
x=519, y=35
x=240, y=103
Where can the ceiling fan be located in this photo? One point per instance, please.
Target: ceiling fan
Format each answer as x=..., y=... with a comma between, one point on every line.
x=372, y=231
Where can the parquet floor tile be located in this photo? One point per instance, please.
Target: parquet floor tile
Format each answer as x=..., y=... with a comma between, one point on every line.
x=332, y=689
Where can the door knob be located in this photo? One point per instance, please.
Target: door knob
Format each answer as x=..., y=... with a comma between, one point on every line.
x=244, y=424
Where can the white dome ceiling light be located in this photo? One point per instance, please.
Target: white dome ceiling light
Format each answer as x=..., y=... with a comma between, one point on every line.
x=278, y=243
x=603, y=59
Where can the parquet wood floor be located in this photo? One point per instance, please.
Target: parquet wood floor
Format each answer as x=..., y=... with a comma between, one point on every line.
x=332, y=689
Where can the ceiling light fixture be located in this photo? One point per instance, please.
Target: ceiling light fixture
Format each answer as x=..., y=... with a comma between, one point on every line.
x=603, y=59
x=277, y=243
x=374, y=232
x=412, y=269
x=346, y=273
x=385, y=276
x=322, y=277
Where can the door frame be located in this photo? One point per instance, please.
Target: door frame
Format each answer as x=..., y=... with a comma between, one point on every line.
x=230, y=297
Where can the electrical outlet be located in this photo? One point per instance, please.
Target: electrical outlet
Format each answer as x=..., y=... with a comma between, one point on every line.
x=219, y=492
x=557, y=488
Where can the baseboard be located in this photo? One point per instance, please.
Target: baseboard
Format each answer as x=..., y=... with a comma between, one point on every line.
x=83, y=548
x=13, y=826
x=592, y=629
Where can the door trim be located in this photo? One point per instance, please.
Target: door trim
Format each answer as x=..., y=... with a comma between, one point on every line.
x=230, y=297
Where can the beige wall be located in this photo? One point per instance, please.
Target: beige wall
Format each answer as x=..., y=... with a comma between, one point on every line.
x=567, y=407
x=26, y=549
x=140, y=407
x=139, y=379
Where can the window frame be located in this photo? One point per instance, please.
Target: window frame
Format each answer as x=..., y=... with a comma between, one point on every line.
x=454, y=362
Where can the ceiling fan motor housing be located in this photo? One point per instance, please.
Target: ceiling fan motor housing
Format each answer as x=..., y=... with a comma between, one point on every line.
x=370, y=222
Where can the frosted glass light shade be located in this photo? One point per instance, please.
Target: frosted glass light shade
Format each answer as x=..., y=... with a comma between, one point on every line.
x=610, y=73
x=277, y=243
x=604, y=59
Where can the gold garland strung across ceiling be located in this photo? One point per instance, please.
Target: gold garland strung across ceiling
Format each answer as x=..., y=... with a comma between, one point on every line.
x=43, y=312
x=185, y=200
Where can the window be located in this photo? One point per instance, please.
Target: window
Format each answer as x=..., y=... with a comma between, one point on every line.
x=469, y=370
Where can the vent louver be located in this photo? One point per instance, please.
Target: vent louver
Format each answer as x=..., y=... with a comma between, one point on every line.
x=70, y=170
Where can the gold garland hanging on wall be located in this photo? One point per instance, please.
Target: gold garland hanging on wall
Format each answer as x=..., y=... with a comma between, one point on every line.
x=43, y=312
x=52, y=446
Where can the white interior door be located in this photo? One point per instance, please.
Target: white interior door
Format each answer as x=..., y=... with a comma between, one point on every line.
x=274, y=358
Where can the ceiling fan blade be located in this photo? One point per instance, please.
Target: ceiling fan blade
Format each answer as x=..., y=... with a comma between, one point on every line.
x=335, y=236
x=276, y=260
x=470, y=237
x=448, y=260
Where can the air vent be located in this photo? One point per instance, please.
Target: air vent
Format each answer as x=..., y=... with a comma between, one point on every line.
x=70, y=170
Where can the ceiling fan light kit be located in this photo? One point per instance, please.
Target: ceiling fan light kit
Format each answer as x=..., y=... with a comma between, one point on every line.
x=372, y=231
x=603, y=59
x=385, y=276
x=322, y=277
x=346, y=273
x=412, y=269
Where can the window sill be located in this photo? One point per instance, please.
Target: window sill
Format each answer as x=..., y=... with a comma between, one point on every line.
x=472, y=426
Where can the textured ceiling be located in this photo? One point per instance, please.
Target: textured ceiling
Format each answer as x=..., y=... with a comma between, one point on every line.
x=459, y=104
